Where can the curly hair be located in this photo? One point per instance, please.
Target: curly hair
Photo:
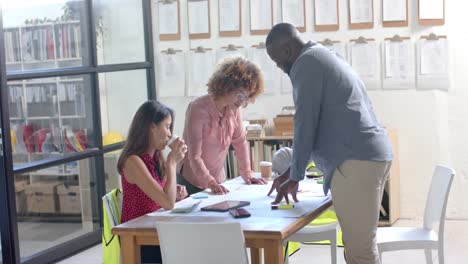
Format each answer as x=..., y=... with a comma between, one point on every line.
x=236, y=73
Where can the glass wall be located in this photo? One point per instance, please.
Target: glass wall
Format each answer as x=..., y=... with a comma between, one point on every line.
x=69, y=98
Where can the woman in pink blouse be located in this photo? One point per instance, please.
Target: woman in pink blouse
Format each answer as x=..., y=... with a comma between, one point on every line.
x=213, y=122
x=148, y=180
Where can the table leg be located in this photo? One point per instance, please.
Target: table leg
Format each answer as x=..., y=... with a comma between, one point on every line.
x=129, y=250
x=256, y=255
x=274, y=252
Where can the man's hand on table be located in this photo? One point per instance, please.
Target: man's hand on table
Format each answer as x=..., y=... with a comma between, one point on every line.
x=283, y=188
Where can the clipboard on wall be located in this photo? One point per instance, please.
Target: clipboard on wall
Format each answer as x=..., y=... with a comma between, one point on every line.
x=433, y=62
x=169, y=19
x=399, y=69
x=361, y=16
x=326, y=23
x=229, y=17
x=395, y=13
x=431, y=13
x=199, y=19
x=261, y=19
x=364, y=57
x=291, y=13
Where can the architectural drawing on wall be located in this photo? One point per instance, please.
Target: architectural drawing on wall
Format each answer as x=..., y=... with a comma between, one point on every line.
x=433, y=62
x=200, y=66
x=361, y=14
x=399, y=64
x=271, y=74
x=229, y=16
x=365, y=59
x=431, y=12
x=395, y=13
x=326, y=15
x=261, y=16
x=335, y=46
x=293, y=12
x=199, y=19
x=230, y=50
x=169, y=20
x=171, y=82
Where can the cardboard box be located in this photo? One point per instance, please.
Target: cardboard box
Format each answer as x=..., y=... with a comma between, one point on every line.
x=69, y=198
x=41, y=197
x=284, y=125
x=21, y=204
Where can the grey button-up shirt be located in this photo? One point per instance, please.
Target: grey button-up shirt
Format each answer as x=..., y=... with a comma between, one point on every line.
x=334, y=119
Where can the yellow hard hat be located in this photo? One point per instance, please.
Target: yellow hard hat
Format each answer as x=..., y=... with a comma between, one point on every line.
x=111, y=138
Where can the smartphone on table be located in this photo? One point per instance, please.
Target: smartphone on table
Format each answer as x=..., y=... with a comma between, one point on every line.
x=239, y=213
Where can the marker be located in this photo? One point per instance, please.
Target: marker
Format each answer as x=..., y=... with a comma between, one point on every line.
x=286, y=206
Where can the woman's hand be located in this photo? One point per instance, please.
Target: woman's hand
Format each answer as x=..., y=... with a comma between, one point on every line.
x=178, y=151
x=181, y=192
x=253, y=180
x=217, y=188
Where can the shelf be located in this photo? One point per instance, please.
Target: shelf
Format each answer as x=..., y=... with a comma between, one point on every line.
x=51, y=174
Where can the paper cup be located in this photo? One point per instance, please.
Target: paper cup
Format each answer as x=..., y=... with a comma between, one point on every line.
x=265, y=169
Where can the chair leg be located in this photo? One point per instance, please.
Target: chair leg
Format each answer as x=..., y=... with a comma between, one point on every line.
x=428, y=253
x=286, y=253
x=333, y=249
x=440, y=252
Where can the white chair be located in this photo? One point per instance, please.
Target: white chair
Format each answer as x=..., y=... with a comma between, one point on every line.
x=202, y=243
x=317, y=233
x=427, y=238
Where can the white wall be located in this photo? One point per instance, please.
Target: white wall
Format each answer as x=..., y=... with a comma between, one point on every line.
x=432, y=125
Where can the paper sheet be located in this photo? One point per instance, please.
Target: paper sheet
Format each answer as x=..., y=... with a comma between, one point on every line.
x=270, y=71
x=293, y=12
x=365, y=60
x=172, y=75
x=431, y=9
x=198, y=14
x=326, y=12
x=168, y=18
x=434, y=58
x=360, y=11
x=399, y=65
x=229, y=14
x=223, y=53
x=201, y=66
x=394, y=10
x=260, y=14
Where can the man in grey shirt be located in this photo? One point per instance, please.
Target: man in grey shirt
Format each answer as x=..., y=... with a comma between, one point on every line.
x=334, y=125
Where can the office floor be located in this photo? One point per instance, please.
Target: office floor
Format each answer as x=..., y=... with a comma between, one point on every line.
x=456, y=250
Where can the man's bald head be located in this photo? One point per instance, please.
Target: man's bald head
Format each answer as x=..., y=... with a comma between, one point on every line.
x=284, y=45
x=280, y=33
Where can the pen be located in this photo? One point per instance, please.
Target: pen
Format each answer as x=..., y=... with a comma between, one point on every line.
x=287, y=206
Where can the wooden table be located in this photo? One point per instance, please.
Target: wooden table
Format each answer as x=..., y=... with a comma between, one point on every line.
x=260, y=232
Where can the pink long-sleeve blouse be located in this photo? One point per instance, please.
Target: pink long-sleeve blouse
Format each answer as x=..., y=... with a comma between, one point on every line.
x=208, y=134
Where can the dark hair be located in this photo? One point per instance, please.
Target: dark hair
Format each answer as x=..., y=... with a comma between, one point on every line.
x=150, y=112
x=234, y=73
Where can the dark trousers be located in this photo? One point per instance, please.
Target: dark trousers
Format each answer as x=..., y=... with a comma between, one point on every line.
x=191, y=189
x=151, y=254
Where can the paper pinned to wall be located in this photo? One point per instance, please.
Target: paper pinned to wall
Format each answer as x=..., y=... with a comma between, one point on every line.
x=270, y=71
x=168, y=17
x=360, y=11
x=326, y=12
x=431, y=9
x=399, y=70
x=225, y=53
x=394, y=10
x=293, y=12
x=433, y=64
x=260, y=14
x=365, y=60
x=200, y=66
x=171, y=75
x=229, y=15
x=198, y=17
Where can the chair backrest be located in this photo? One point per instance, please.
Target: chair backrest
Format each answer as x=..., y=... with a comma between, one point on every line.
x=112, y=203
x=112, y=206
x=437, y=197
x=202, y=243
